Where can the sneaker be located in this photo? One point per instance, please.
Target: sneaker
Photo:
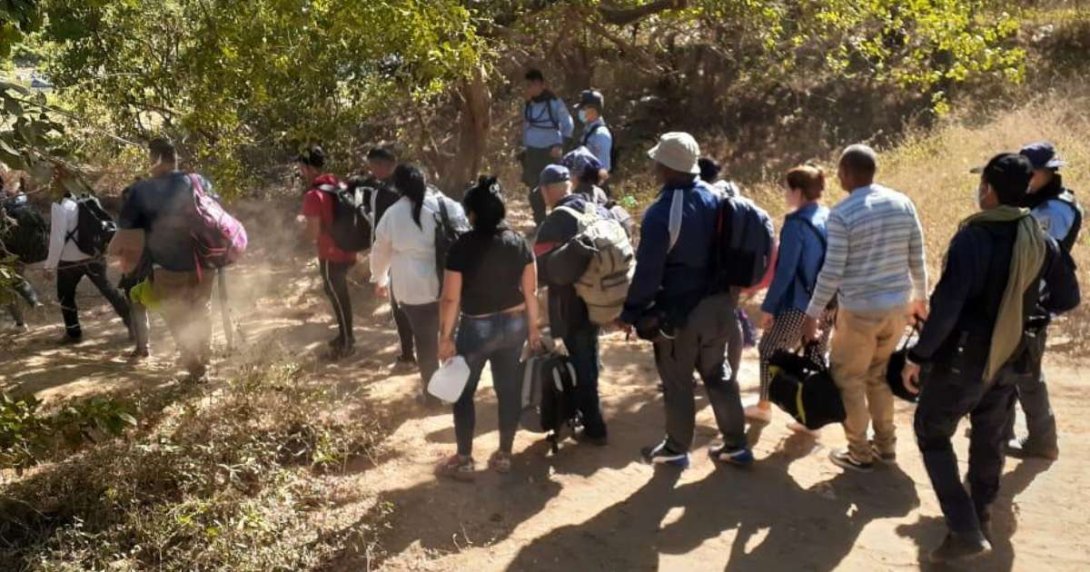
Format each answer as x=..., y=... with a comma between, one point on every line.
x=500, y=462
x=1023, y=449
x=404, y=363
x=340, y=352
x=67, y=340
x=885, y=457
x=740, y=457
x=961, y=547
x=139, y=354
x=759, y=415
x=456, y=467
x=843, y=459
x=662, y=455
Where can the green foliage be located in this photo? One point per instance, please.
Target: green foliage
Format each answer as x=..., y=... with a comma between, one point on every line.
x=237, y=81
x=27, y=433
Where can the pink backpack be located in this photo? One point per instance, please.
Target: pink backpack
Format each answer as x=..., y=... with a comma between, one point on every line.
x=218, y=238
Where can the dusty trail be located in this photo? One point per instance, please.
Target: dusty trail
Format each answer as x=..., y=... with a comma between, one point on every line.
x=599, y=508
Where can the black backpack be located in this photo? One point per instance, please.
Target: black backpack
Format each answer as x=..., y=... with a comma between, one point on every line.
x=95, y=228
x=548, y=396
x=350, y=229
x=447, y=232
x=896, y=367
x=28, y=237
x=804, y=390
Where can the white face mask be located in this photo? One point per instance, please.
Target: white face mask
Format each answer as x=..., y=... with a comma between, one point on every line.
x=582, y=115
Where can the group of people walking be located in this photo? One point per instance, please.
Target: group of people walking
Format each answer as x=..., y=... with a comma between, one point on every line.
x=848, y=280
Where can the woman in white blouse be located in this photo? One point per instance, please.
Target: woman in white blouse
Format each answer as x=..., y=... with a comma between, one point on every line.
x=404, y=254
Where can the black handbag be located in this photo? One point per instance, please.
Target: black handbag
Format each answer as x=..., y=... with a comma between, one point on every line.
x=897, y=365
x=804, y=389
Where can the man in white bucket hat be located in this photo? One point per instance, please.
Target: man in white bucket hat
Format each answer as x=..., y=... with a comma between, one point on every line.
x=669, y=304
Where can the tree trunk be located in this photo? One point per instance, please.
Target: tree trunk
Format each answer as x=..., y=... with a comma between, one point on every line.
x=474, y=103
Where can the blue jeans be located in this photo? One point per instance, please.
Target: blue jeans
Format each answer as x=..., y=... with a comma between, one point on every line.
x=582, y=345
x=497, y=339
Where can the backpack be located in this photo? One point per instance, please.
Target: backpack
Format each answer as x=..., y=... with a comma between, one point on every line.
x=897, y=365
x=804, y=390
x=28, y=238
x=1068, y=242
x=447, y=231
x=604, y=284
x=219, y=239
x=95, y=228
x=548, y=396
x=527, y=112
x=351, y=227
x=612, y=148
x=744, y=244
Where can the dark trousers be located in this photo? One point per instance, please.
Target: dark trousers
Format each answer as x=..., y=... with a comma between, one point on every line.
x=1033, y=396
x=582, y=346
x=946, y=397
x=424, y=319
x=404, y=328
x=335, y=280
x=701, y=346
x=69, y=275
x=534, y=161
x=497, y=339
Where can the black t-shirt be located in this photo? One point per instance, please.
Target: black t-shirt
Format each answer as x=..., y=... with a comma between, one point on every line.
x=491, y=266
x=159, y=206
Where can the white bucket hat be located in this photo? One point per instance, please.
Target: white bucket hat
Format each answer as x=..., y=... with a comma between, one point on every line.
x=678, y=151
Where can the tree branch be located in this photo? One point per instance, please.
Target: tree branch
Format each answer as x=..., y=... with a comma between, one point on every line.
x=618, y=16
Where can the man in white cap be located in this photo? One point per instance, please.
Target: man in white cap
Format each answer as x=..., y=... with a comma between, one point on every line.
x=669, y=303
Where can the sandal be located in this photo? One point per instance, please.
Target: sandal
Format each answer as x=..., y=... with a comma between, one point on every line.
x=456, y=467
x=500, y=462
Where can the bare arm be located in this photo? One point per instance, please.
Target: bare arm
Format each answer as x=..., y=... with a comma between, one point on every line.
x=529, y=295
x=449, y=303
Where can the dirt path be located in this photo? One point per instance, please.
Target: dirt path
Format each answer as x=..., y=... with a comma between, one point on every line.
x=599, y=508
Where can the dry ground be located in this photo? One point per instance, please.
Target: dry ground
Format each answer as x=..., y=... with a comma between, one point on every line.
x=600, y=508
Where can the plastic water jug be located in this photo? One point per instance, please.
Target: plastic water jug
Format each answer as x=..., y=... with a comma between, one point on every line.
x=449, y=381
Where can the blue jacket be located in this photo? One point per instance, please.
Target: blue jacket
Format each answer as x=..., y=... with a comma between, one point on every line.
x=674, y=280
x=801, y=255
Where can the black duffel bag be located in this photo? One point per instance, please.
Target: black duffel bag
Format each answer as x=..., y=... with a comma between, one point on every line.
x=804, y=389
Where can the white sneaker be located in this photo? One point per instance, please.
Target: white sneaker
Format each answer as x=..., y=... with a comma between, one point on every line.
x=756, y=414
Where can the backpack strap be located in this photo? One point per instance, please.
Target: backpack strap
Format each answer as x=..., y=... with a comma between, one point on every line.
x=528, y=113
x=590, y=133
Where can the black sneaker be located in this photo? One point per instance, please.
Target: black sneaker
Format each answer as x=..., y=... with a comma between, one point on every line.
x=661, y=454
x=888, y=457
x=1024, y=449
x=843, y=459
x=404, y=363
x=961, y=547
x=739, y=457
x=67, y=340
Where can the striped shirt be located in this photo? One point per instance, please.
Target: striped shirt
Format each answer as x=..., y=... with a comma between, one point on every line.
x=875, y=260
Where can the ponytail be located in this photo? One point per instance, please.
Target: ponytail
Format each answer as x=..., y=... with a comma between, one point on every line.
x=484, y=201
x=409, y=180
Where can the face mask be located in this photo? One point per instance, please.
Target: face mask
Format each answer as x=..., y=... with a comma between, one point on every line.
x=582, y=116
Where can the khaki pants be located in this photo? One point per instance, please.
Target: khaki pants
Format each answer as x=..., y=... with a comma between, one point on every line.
x=861, y=347
x=184, y=301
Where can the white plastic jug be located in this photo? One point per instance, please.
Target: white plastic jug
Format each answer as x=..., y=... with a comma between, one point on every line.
x=449, y=381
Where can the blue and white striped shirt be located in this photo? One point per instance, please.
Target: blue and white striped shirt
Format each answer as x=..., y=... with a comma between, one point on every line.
x=876, y=260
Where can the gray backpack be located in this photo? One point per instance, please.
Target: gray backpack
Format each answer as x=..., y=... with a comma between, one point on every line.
x=604, y=284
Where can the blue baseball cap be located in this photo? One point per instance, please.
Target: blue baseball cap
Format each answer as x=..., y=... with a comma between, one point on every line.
x=1042, y=155
x=554, y=174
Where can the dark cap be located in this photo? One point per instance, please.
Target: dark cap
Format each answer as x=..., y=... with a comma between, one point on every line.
x=313, y=157
x=554, y=174
x=1009, y=175
x=1042, y=155
x=591, y=98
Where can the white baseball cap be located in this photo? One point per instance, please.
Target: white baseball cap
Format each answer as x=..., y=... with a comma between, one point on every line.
x=678, y=151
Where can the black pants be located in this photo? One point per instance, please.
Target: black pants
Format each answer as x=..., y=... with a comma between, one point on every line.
x=582, y=346
x=946, y=397
x=1033, y=396
x=404, y=328
x=424, y=319
x=69, y=275
x=335, y=280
